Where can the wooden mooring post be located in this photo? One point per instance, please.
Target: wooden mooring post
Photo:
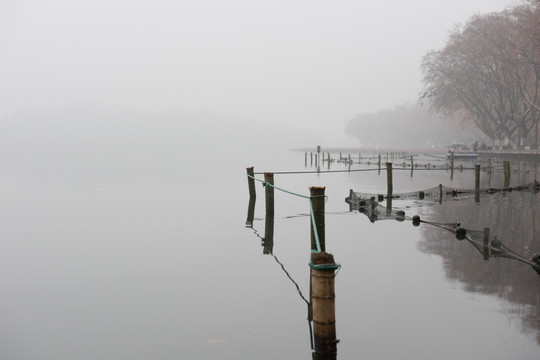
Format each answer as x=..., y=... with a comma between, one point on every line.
x=251, y=183
x=269, y=192
x=389, y=185
x=477, y=183
x=268, y=242
x=323, y=306
x=506, y=174
x=452, y=168
x=317, y=199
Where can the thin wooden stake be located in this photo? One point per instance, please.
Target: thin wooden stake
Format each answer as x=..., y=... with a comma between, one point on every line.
x=251, y=183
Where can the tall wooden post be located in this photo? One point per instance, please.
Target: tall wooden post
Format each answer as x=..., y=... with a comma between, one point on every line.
x=323, y=306
x=452, y=168
x=268, y=242
x=440, y=193
x=269, y=192
x=251, y=183
x=379, y=163
x=477, y=183
x=506, y=174
x=390, y=185
x=317, y=202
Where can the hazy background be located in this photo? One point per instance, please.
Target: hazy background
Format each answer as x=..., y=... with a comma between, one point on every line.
x=282, y=62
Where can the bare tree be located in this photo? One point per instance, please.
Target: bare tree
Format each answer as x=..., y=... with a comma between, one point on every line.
x=489, y=73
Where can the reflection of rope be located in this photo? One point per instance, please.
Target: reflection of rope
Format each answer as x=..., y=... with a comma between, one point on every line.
x=375, y=212
x=294, y=282
x=492, y=244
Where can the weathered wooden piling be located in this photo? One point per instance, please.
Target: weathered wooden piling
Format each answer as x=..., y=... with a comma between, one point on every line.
x=251, y=182
x=311, y=158
x=440, y=193
x=485, y=252
x=317, y=199
x=452, y=168
x=506, y=174
x=389, y=185
x=268, y=241
x=477, y=183
x=379, y=163
x=269, y=192
x=323, y=306
x=305, y=159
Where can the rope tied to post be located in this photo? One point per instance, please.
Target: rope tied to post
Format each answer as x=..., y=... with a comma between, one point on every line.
x=315, y=232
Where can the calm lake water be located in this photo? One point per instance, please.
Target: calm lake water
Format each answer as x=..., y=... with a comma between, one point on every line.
x=130, y=263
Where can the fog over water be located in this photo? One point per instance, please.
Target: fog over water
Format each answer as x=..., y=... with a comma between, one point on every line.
x=125, y=131
x=285, y=62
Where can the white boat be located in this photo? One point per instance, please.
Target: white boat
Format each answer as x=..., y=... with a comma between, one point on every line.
x=462, y=151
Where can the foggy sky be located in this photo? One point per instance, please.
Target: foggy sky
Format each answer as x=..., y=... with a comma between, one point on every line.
x=295, y=62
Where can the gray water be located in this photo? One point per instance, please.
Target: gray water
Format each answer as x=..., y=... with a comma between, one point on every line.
x=152, y=261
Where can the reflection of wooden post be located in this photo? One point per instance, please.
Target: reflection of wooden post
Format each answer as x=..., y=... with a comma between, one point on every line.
x=251, y=183
x=268, y=241
x=506, y=174
x=389, y=185
x=251, y=212
x=485, y=249
x=477, y=183
x=323, y=306
x=317, y=202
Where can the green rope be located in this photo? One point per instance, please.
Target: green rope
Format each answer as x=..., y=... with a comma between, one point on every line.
x=324, y=266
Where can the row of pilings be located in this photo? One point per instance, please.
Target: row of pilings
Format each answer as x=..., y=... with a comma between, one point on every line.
x=322, y=265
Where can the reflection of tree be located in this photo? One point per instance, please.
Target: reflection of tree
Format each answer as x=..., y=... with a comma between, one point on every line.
x=515, y=220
